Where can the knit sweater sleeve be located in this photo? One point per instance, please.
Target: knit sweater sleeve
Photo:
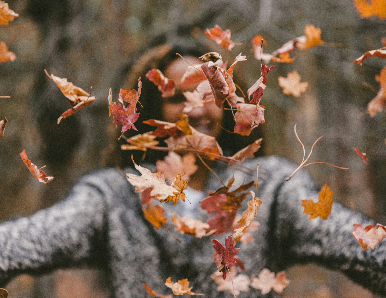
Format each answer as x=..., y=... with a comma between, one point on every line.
x=296, y=239
x=68, y=234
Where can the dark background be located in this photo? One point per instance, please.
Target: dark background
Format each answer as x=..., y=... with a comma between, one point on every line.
x=90, y=42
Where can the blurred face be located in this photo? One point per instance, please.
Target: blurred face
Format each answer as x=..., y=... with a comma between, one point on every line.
x=205, y=119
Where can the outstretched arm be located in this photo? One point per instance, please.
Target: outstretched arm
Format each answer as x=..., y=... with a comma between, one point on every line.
x=67, y=234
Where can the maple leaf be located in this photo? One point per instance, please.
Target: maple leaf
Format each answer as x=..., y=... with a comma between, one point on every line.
x=191, y=226
x=291, y=84
x=377, y=104
x=192, y=75
x=313, y=35
x=380, y=53
x=180, y=185
x=246, y=236
x=283, y=58
x=361, y=154
x=166, y=86
x=151, y=292
x=5, y=55
x=235, y=283
x=37, y=173
x=155, y=215
x=323, y=207
x=163, y=128
x=3, y=123
x=174, y=164
x=247, y=218
x=266, y=281
x=194, y=100
x=248, y=117
x=156, y=181
x=6, y=15
x=181, y=287
x=370, y=236
x=220, y=37
x=247, y=152
x=374, y=8
x=140, y=142
x=224, y=256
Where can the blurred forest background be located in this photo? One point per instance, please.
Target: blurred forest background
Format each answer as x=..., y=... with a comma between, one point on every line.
x=91, y=41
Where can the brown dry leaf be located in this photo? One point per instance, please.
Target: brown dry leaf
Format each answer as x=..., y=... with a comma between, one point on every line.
x=181, y=287
x=140, y=142
x=37, y=173
x=233, y=283
x=370, y=236
x=155, y=215
x=266, y=281
x=247, y=152
x=380, y=53
x=180, y=185
x=192, y=75
x=312, y=38
x=191, y=226
x=3, y=123
x=374, y=8
x=291, y=84
x=151, y=292
x=174, y=164
x=6, y=15
x=3, y=293
x=323, y=207
x=5, y=55
x=377, y=104
x=220, y=37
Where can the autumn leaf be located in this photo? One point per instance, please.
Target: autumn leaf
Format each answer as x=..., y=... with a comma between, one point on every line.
x=361, y=154
x=217, y=80
x=3, y=293
x=313, y=35
x=174, y=164
x=257, y=43
x=224, y=256
x=247, y=218
x=283, y=58
x=166, y=86
x=151, y=292
x=194, y=99
x=258, y=87
x=155, y=215
x=192, y=75
x=5, y=55
x=266, y=281
x=180, y=185
x=6, y=15
x=291, y=84
x=368, y=8
x=3, y=123
x=247, y=152
x=191, y=226
x=37, y=173
x=220, y=37
x=323, y=207
x=370, y=236
x=380, y=53
x=181, y=287
x=248, y=117
x=140, y=142
x=234, y=283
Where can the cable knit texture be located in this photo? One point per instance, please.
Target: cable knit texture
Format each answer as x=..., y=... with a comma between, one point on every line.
x=101, y=223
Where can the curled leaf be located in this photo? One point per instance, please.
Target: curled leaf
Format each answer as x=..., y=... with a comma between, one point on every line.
x=380, y=53
x=3, y=123
x=361, y=154
x=220, y=37
x=166, y=86
x=37, y=173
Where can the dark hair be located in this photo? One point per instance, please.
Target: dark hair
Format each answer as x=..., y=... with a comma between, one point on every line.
x=159, y=54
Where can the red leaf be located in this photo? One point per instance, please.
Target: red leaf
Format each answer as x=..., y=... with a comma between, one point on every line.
x=224, y=256
x=361, y=154
x=380, y=53
x=248, y=116
x=220, y=37
x=166, y=86
x=37, y=173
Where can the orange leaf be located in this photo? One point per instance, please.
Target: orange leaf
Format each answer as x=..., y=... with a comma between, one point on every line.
x=180, y=186
x=370, y=236
x=37, y=173
x=374, y=8
x=6, y=15
x=377, y=104
x=5, y=55
x=191, y=226
x=380, y=53
x=151, y=292
x=181, y=287
x=155, y=215
x=220, y=37
x=291, y=84
x=361, y=154
x=166, y=86
x=312, y=38
x=2, y=126
x=140, y=142
x=323, y=207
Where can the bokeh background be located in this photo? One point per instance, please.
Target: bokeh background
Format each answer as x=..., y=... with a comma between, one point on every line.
x=91, y=41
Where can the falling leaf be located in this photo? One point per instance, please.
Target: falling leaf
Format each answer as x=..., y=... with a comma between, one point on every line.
x=151, y=292
x=192, y=75
x=248, y=117
x=248, y=216
x=166, y=86
x=5, y=55
x=368, y=8
x=3, y=123
x=291, y=84
x=313, y=35
x=361, y=154
x=370, y=236
x=181, y=287
x=217, y=80
x=220, y=37
x=380, y=53
x=266, y=281
x=6, y=15
x=191, y=226
x=155, y=215
x=234, y=283
x=283, y=58
x=323, y=207
x=3, y=293
x=174, y=164
x=140, y=142
x=224, y=256
x=247, y=152
x=180, y=185
x=378, y=103
x=37, y=173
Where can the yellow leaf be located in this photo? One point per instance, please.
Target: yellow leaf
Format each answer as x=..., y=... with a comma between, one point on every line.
x=323, y=207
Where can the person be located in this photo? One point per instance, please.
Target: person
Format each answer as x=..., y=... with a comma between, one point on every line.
x=101, y=222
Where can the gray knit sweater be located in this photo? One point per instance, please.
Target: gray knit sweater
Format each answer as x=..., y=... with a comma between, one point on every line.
x=101, y=223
